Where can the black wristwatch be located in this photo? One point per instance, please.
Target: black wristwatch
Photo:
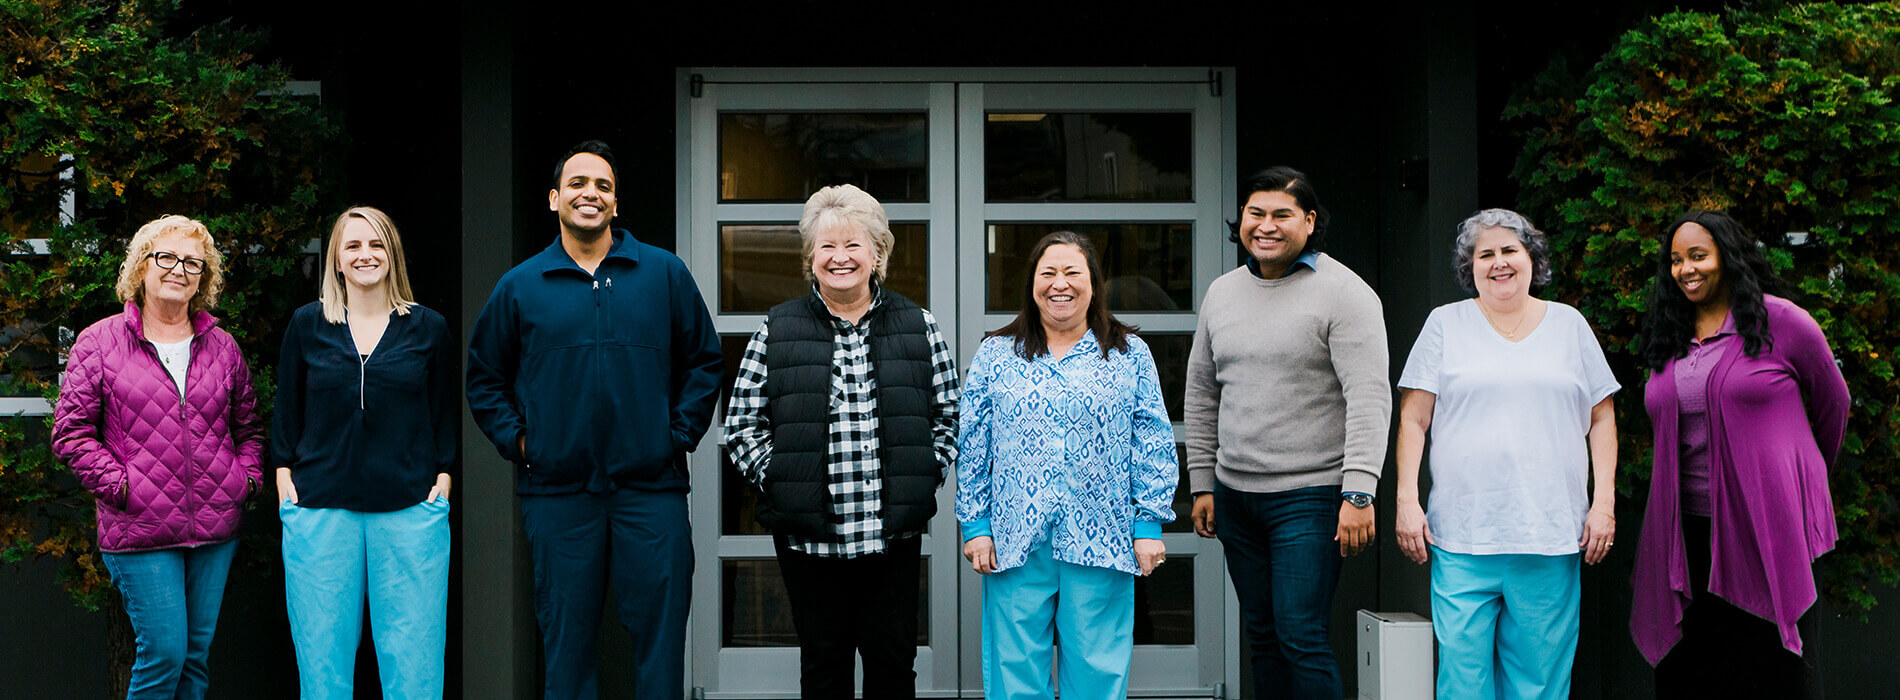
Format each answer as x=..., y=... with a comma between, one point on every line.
x=1357, y=499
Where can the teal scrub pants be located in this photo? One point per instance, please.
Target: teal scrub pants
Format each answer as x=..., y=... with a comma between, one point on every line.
x=1027, y=608
x=334, y=560
x=1506, y=624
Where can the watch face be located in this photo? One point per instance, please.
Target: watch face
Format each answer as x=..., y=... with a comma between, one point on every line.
x=1358, y=500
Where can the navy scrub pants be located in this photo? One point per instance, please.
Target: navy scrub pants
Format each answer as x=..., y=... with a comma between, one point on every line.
x=642, y=540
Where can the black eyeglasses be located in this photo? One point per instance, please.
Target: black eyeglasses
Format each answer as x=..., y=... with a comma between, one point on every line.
x=193, y=266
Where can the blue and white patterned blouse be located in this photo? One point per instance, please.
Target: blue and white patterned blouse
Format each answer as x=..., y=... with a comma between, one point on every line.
x=1076, y=451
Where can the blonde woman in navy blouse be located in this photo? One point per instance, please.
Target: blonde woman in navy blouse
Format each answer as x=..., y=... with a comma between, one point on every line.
x=1066, y=471
x=364, y=440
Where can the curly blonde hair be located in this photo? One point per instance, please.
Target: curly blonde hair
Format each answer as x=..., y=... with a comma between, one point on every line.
x=131, y=286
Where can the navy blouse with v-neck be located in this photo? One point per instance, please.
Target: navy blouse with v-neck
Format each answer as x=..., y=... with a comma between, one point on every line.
x=366, y=433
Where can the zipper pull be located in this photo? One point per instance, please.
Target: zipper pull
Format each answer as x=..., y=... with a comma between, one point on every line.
x=597, y=292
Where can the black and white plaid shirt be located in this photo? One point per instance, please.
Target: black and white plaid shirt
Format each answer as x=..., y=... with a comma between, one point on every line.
x=856, y=480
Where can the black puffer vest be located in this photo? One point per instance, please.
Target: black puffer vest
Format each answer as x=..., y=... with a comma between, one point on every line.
x=798, y=391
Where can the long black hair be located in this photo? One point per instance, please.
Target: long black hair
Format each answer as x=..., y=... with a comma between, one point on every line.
x=1295, y=184
x=1031, y=341
x=1746, y=273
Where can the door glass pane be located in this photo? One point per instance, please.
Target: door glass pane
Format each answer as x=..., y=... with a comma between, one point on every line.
x=732, y=346
x=1116, y=156
x=738, y=501
x=786, y=157
x=756, y=612
x=1171, y=358
x=1164, y=603
x=1150, y=267
x=761, y=265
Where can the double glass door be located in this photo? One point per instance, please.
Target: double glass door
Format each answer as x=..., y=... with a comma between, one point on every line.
x=972, y=167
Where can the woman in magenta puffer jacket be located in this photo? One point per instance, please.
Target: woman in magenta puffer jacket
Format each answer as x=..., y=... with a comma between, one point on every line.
x=158, y=419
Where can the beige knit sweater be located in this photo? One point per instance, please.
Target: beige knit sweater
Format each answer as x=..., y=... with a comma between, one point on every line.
x=1287, y=385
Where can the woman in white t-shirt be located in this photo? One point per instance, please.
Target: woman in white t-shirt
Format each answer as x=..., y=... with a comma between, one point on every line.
x=1516, y=395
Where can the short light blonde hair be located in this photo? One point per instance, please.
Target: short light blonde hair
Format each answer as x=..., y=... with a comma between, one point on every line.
x=841, y=205
x=331, y=291
x=131, y=286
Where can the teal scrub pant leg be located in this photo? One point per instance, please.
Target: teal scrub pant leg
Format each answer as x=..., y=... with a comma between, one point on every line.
x=1026, y=609
x=1506, y=624
x=335, y=560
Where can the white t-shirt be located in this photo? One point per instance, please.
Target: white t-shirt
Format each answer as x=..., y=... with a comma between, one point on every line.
x=176, y=357
x=1510, y=463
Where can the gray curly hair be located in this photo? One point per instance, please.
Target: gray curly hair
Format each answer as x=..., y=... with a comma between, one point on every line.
x=1527, y=234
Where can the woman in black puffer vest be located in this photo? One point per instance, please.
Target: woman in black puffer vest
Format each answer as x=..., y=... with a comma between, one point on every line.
x=844, y=417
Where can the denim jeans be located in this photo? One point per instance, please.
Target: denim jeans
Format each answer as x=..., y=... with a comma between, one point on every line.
x=172, y=596
x=1285, y=566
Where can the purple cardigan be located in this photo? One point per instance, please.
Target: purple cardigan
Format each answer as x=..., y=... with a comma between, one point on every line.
x=167, y=470
x=1769, y=452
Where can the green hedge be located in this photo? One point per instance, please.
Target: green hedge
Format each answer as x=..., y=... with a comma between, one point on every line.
x=1787, y=116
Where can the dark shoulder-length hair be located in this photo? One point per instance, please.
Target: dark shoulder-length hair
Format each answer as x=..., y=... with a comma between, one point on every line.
x=1026, y=328
x=1745, y=271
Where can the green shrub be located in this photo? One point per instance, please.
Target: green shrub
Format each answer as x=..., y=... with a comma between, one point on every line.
x=1787, y=116
x=153, y=121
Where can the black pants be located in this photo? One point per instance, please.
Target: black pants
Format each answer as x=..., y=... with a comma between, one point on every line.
x=1726, y=652
x=865, y=606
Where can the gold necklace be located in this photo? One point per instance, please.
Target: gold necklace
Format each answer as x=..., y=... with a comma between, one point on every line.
x=1508, y=335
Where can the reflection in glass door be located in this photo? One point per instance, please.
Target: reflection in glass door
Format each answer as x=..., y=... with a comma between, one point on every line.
x=972, y=167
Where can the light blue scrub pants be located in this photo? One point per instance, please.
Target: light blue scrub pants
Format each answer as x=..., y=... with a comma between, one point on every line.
x=1506, y=624
x=334, y=559
x=1028, y=608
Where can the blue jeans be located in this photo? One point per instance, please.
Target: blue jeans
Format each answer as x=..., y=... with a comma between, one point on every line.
x=643, y=540
x=172, y=596
x=334, y=560
x=1285, y=565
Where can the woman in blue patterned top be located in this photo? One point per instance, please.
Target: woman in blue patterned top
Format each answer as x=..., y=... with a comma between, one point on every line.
x=1066, y=472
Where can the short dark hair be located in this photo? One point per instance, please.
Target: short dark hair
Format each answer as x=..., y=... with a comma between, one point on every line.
x=594, y=146
x=1281, y=178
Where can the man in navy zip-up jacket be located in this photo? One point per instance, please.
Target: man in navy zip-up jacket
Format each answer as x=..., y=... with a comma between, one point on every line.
x=593, y=368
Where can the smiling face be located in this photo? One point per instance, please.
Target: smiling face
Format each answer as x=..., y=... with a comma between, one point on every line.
x=1274, y=229
x=843, y=259
x=174, y=286
x=585, y=198
x=361, y=257
x=1062, y=287
x=1501, y=268
x=1696, y=265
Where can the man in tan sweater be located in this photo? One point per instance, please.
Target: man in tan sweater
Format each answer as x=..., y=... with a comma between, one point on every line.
x=1288, y=404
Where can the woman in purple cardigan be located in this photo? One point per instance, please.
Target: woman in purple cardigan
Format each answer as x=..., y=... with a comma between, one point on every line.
x=1738, y=506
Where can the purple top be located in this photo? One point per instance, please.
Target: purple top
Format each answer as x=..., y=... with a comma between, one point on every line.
x=167, y=469
x=1692, y=391
x=1769, y=511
